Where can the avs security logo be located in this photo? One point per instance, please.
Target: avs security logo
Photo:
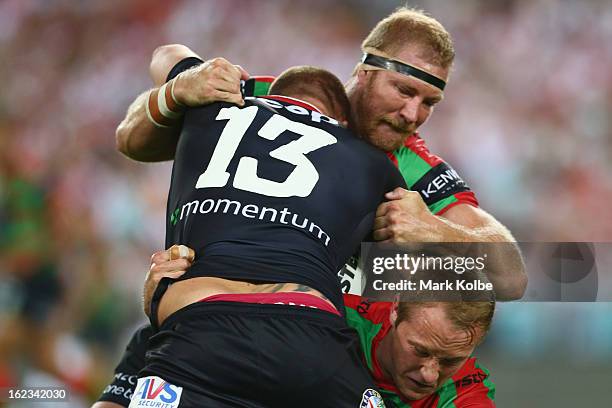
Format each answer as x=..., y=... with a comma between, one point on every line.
x=155, y=392
x=371, y=399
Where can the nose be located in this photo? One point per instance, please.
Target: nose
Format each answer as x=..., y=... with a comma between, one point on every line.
x=430, y=372
x=410, y=110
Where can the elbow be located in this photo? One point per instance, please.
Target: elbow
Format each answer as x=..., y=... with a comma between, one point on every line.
x=514, y=290
x=165, y=56
x=121, y=139
x=513, y=286
x=164, y=50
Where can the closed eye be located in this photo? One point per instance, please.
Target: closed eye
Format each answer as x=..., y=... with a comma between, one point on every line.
x=421, y=352
x=449, y=362
x=431, y=102
x=406, y=90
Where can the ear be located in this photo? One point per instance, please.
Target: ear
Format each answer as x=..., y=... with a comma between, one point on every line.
x=362, y=76
x=393, y=314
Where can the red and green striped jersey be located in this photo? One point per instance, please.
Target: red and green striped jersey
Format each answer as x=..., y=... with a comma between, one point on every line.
x=470, y=386
x=438, y=183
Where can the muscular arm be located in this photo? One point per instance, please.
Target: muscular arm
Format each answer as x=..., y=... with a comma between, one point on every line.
x=215, y=80
x=136, y=136
x=506, y=270
x=406, y=219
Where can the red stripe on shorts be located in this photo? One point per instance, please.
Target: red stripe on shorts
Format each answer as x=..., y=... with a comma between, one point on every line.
x=285, y=298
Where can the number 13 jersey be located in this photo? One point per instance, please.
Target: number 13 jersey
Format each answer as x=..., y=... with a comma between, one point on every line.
x=273, y=191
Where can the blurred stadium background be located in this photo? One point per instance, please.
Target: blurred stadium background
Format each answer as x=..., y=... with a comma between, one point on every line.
x=527, y=120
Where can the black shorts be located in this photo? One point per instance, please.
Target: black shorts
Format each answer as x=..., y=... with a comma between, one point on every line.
x=122, y=387
x=226, y=354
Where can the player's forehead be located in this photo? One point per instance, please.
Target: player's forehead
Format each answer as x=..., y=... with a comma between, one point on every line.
x=414, y=55
x=410, y=83
x=430, y=328
x=417, y=57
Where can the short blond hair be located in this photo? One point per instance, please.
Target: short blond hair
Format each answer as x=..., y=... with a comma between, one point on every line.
x=409, y=26
x=466, y=309
x=464, y=315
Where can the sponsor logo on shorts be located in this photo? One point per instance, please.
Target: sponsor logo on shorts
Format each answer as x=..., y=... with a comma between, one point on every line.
x=122, y=386
x=155, y=392
x=371, y=399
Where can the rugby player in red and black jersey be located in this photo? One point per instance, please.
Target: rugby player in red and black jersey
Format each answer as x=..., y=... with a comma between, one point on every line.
x=419, y=353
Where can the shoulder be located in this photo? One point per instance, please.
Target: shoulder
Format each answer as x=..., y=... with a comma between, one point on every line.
x=416, y=145
x=471, y=385
x=364, y=308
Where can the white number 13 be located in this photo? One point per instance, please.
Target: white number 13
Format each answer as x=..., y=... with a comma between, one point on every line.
x=299, y=183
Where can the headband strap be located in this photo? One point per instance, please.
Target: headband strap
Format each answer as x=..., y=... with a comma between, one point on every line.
x=402, y=68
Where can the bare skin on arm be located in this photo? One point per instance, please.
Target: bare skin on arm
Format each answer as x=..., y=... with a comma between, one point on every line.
x=405, y=218
x=215, y=80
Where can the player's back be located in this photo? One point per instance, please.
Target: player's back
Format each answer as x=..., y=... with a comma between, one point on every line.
x=273, y=192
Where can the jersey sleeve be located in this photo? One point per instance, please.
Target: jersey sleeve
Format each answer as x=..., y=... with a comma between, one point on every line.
x=122, y=386
x=257, y=85
x=438, y=183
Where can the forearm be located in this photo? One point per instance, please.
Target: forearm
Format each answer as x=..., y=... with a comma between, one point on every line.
x=139, y=139
x=136, y=136
x=504, y=263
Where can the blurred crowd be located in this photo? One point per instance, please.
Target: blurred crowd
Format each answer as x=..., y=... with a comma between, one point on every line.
x=526, y=120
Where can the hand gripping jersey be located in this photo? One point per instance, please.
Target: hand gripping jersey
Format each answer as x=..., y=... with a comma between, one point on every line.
x=470, y=386
x=275, y=192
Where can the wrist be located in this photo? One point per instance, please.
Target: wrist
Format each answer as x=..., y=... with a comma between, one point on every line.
x=163, y=108
x=177, y=90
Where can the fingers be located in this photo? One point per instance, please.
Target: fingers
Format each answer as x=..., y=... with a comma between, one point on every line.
x=229, y=97
x=160, y=257
x=397, y=194
x=215, y=80
x=387, y=207
x=243, y=73
x=380, y=222
x=382, y=234
x=168, y=266
x=177, y=258
x=173, y=275
x=222, y=70
x=180, y=252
